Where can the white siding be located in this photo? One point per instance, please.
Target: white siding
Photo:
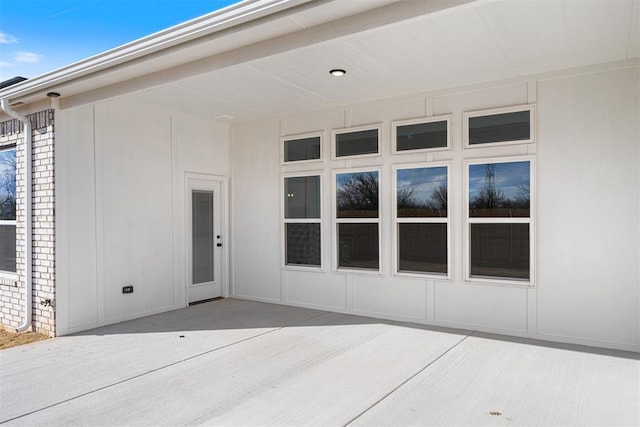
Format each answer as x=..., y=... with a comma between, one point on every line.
x=120, y=207
x=587, y=227
x=588, y=208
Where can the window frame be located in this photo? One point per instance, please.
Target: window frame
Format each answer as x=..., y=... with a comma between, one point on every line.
x=336, y=221
x=417, y=121
x=284, y=221
x=7, y=274
x=354, y=129
x=283, y=139
x=420, y=220
x=531, y=108
x=531, y=220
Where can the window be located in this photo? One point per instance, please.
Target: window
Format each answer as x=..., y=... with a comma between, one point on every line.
x=8, y=210
x=357, y=220
x=422, y=220
x=500, y=126
x=357, y=141
x=302, y=221
x=302, y=148
x=426, y=134
x=499, y=220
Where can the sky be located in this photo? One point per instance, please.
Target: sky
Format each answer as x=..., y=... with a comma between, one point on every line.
x=510, y=178
x=38, y=36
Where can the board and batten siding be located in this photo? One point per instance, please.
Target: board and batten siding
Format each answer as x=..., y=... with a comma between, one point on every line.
x=120, y=181
x=587, y=219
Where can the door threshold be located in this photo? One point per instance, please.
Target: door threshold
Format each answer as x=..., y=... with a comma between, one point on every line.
x=205, y=301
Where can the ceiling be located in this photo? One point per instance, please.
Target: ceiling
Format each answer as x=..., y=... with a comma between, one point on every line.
x=390, y=51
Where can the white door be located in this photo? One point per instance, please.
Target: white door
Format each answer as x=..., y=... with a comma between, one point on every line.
x=204, y=239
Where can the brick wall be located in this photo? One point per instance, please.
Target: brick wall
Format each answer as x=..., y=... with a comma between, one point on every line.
x=43, y=221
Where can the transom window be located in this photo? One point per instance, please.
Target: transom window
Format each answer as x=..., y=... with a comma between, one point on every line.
x=362, y=141
x=499, y=126
x=302, y=148
x=499, y=220
x=8, y=210
x=425, y=134
x=357, y=219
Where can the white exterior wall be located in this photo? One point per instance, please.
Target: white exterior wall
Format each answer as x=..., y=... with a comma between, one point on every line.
x=587, y=224
x=120, y=207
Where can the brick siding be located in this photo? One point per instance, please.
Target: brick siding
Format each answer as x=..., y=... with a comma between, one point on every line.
x=43, y=213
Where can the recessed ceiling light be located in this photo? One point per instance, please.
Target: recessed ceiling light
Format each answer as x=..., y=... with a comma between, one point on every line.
x=337, y=72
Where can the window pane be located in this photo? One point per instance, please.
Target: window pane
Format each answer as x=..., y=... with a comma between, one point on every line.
x=421, y=136
x=499, y=128
x=358, y=246
x=500, y=250
x=8, y=248
x=357, y=143
x=422, y=248
x=302, y=197
x=422, y=192
x=203, y=239
x=302, y=149
x=499, y=190
x=357, y=195
x=8, y=185
x=303, y=244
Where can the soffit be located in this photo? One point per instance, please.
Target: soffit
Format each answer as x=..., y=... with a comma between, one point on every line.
x=486, y=41
x=281, y=67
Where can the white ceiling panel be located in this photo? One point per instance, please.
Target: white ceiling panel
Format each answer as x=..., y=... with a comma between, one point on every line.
x=436, y=52
x=538, y=36
x=193, y=102
x=366, y=78
x=480, y=42
x=633, y=51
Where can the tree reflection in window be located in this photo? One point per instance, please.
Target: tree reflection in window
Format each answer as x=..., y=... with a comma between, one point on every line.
x=357, y=195
x=422, y=192
x=499, y=190
x=8, y=184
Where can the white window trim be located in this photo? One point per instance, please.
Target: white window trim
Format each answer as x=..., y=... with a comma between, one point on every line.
x=285, y=221
x=432, y=119
x=418, y=220
x=494, y=111
x=336, y=221
x=5, y=274
x=336, y=132
x=317, y=134
x=468, y=279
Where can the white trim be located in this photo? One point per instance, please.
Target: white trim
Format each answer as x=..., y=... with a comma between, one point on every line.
x=284, y=221
x=421, y=120
x=335, y=221
x=285, y=138
x=490, y=280
x=495, y=111
x=419, y=220
x=203, y=181
x=342, y=131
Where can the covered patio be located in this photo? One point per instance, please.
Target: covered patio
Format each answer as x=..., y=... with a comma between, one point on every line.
x=238, y=362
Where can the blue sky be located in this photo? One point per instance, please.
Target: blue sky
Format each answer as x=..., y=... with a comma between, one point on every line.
x=38, y=36
x=510, y=178
x=423, y=181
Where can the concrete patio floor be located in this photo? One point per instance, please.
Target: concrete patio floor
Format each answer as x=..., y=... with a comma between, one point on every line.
x=235, y=362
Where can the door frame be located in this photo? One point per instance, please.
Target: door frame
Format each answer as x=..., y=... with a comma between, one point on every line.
x=195, y=181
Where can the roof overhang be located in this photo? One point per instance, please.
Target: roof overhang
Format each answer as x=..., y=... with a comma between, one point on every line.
x=229, y=61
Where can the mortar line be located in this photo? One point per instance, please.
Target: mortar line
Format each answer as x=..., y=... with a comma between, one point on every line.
x=393, y=390
x=158, y=369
